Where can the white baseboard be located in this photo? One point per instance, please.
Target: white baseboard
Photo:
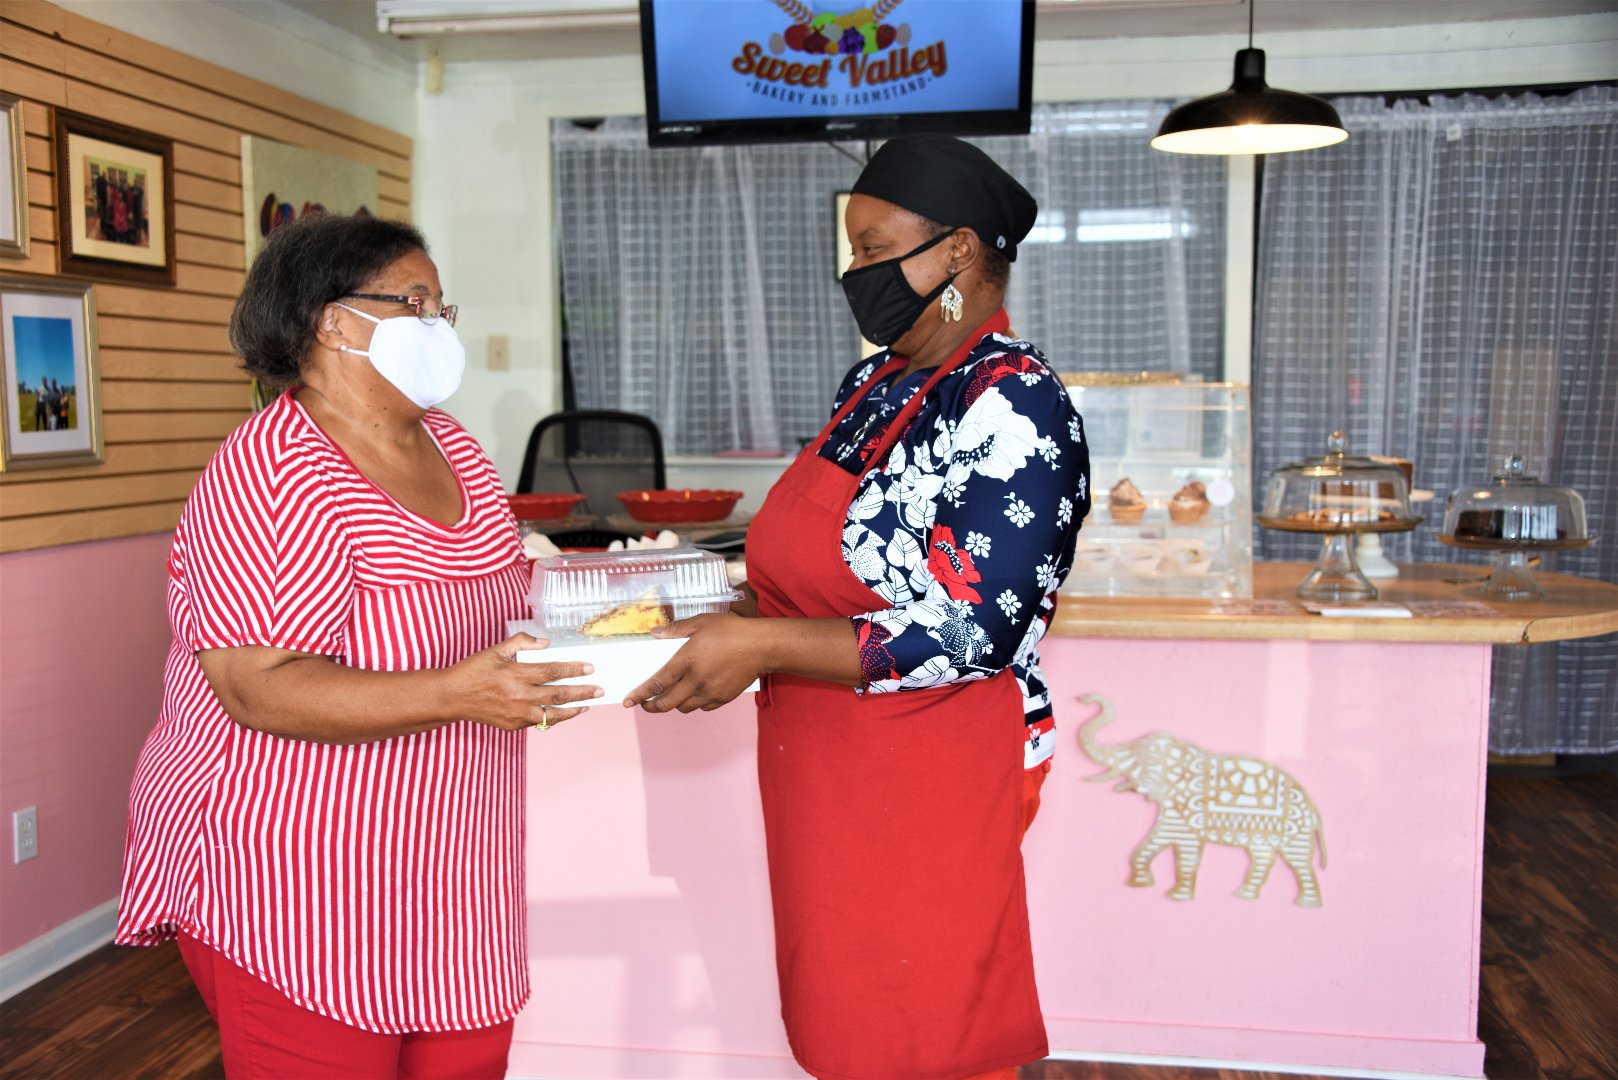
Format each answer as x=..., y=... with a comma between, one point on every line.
x=56, y=949
x=549, y=1061
x=1243, y=1066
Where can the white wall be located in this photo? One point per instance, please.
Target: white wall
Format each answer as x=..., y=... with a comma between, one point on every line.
x=484, y=199
x=1501, y=53
x=484, y=178
x=276, y=44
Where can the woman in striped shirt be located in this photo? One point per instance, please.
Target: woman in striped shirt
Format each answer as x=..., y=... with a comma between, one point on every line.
x=328, y=814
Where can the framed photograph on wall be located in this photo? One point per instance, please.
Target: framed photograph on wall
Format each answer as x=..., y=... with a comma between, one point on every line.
x=114, y=200
x=13, y=181
x=50, y=413
x=282, y=183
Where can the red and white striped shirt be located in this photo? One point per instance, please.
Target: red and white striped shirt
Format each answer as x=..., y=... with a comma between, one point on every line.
x=380, y=884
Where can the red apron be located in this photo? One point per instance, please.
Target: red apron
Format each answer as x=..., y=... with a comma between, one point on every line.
x=893, y=823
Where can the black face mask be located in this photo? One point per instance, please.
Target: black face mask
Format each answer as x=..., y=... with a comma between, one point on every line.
x=883, y=302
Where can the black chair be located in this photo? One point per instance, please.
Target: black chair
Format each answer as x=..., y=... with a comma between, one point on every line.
x=596, y=452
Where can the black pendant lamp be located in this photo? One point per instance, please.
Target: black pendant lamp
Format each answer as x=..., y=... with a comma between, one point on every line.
x=1250, y=117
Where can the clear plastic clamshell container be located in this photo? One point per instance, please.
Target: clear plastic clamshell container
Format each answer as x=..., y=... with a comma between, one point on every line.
x=608, y=596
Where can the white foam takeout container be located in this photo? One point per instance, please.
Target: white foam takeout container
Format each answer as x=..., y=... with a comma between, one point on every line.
x=570, y=589
x=620, y=666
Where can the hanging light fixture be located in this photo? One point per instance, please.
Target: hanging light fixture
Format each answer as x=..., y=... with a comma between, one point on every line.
x=1250, y=117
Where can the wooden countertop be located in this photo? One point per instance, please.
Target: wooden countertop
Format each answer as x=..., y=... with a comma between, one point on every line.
x=1572, y=607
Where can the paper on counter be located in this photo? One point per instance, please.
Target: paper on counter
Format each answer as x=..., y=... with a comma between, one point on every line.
x=1376, y=609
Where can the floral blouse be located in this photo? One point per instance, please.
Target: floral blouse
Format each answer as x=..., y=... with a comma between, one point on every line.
x=967, y=529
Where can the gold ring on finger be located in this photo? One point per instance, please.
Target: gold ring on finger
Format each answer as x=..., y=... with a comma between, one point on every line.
x=544, y=719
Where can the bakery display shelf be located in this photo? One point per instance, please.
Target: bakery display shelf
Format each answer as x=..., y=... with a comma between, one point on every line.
x=1165, y=447
x=1100, y=527
x=1288, y=525
x=1501, y=544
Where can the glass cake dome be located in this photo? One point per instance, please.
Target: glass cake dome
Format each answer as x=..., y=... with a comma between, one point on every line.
x=1336, y=491
x=1337, y=495
x=1515, y=514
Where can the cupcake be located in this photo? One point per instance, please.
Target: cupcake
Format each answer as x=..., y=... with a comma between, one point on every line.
x=1125, y=503
x=1189, y=504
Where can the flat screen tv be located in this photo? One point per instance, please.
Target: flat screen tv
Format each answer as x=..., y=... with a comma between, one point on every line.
x=736, y=71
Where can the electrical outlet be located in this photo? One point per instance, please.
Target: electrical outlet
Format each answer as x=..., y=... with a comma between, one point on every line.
x=24, y=834
x=499, y=352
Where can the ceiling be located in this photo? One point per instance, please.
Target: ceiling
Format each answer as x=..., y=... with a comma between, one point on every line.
x=1057, y=19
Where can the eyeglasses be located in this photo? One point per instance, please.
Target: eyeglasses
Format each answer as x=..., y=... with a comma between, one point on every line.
x=424, y=308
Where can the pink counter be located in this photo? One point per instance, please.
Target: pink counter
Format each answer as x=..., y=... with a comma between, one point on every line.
x=649, y=917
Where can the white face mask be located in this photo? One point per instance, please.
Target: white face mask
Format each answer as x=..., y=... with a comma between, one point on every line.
x=424, y=361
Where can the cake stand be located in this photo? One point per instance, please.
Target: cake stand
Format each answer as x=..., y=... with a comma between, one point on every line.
x=1512, y=578
x=1336, y=577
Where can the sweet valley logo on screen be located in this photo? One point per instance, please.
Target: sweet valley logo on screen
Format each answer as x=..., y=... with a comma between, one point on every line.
x=838, y=57
x=715, y=62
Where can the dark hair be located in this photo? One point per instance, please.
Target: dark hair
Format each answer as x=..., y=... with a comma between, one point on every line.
x=996, y=267
x=305, y=265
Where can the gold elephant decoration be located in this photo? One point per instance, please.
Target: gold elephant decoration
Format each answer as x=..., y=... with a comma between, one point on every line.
x=1206, y=798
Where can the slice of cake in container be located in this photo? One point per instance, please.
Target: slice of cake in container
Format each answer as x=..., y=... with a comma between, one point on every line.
x=639, y=616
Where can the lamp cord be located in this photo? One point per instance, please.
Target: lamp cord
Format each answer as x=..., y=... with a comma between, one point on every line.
x=849, y=155
x=1251, y=4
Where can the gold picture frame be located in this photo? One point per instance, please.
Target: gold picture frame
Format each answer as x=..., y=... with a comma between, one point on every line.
x=50, y=413
x=13, y=180
x=114, y=201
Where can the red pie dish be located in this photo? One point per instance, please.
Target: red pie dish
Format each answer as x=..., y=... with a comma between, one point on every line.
x=679, y=505
x=543, y=506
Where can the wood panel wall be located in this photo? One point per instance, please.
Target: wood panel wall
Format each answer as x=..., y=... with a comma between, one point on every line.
x=171, y=389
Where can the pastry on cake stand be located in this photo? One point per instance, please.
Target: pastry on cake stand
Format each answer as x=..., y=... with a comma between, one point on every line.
x=1515, y=516
x=1336, y=496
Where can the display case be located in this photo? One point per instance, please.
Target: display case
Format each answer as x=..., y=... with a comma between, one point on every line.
x=1170, y=469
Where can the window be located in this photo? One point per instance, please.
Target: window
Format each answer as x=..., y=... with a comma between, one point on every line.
x=1442, y=287
x=699, y=286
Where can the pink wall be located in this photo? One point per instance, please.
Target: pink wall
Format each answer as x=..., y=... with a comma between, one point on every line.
x=82, y=643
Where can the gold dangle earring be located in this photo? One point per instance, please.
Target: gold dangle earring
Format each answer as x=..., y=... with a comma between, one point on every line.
x=950, y=304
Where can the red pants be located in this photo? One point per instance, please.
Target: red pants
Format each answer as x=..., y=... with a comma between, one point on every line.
x=263, y=1033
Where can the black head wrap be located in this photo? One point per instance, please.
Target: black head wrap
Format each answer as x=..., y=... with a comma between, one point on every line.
x=953, y=183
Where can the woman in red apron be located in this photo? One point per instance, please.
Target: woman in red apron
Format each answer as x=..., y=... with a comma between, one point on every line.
x=905, y=567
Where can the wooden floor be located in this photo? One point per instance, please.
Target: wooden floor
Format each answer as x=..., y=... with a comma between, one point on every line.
x=1549, y=995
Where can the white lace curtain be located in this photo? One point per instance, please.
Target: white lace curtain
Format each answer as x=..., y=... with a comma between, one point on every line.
x=1442, y=287
x=699, y=286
